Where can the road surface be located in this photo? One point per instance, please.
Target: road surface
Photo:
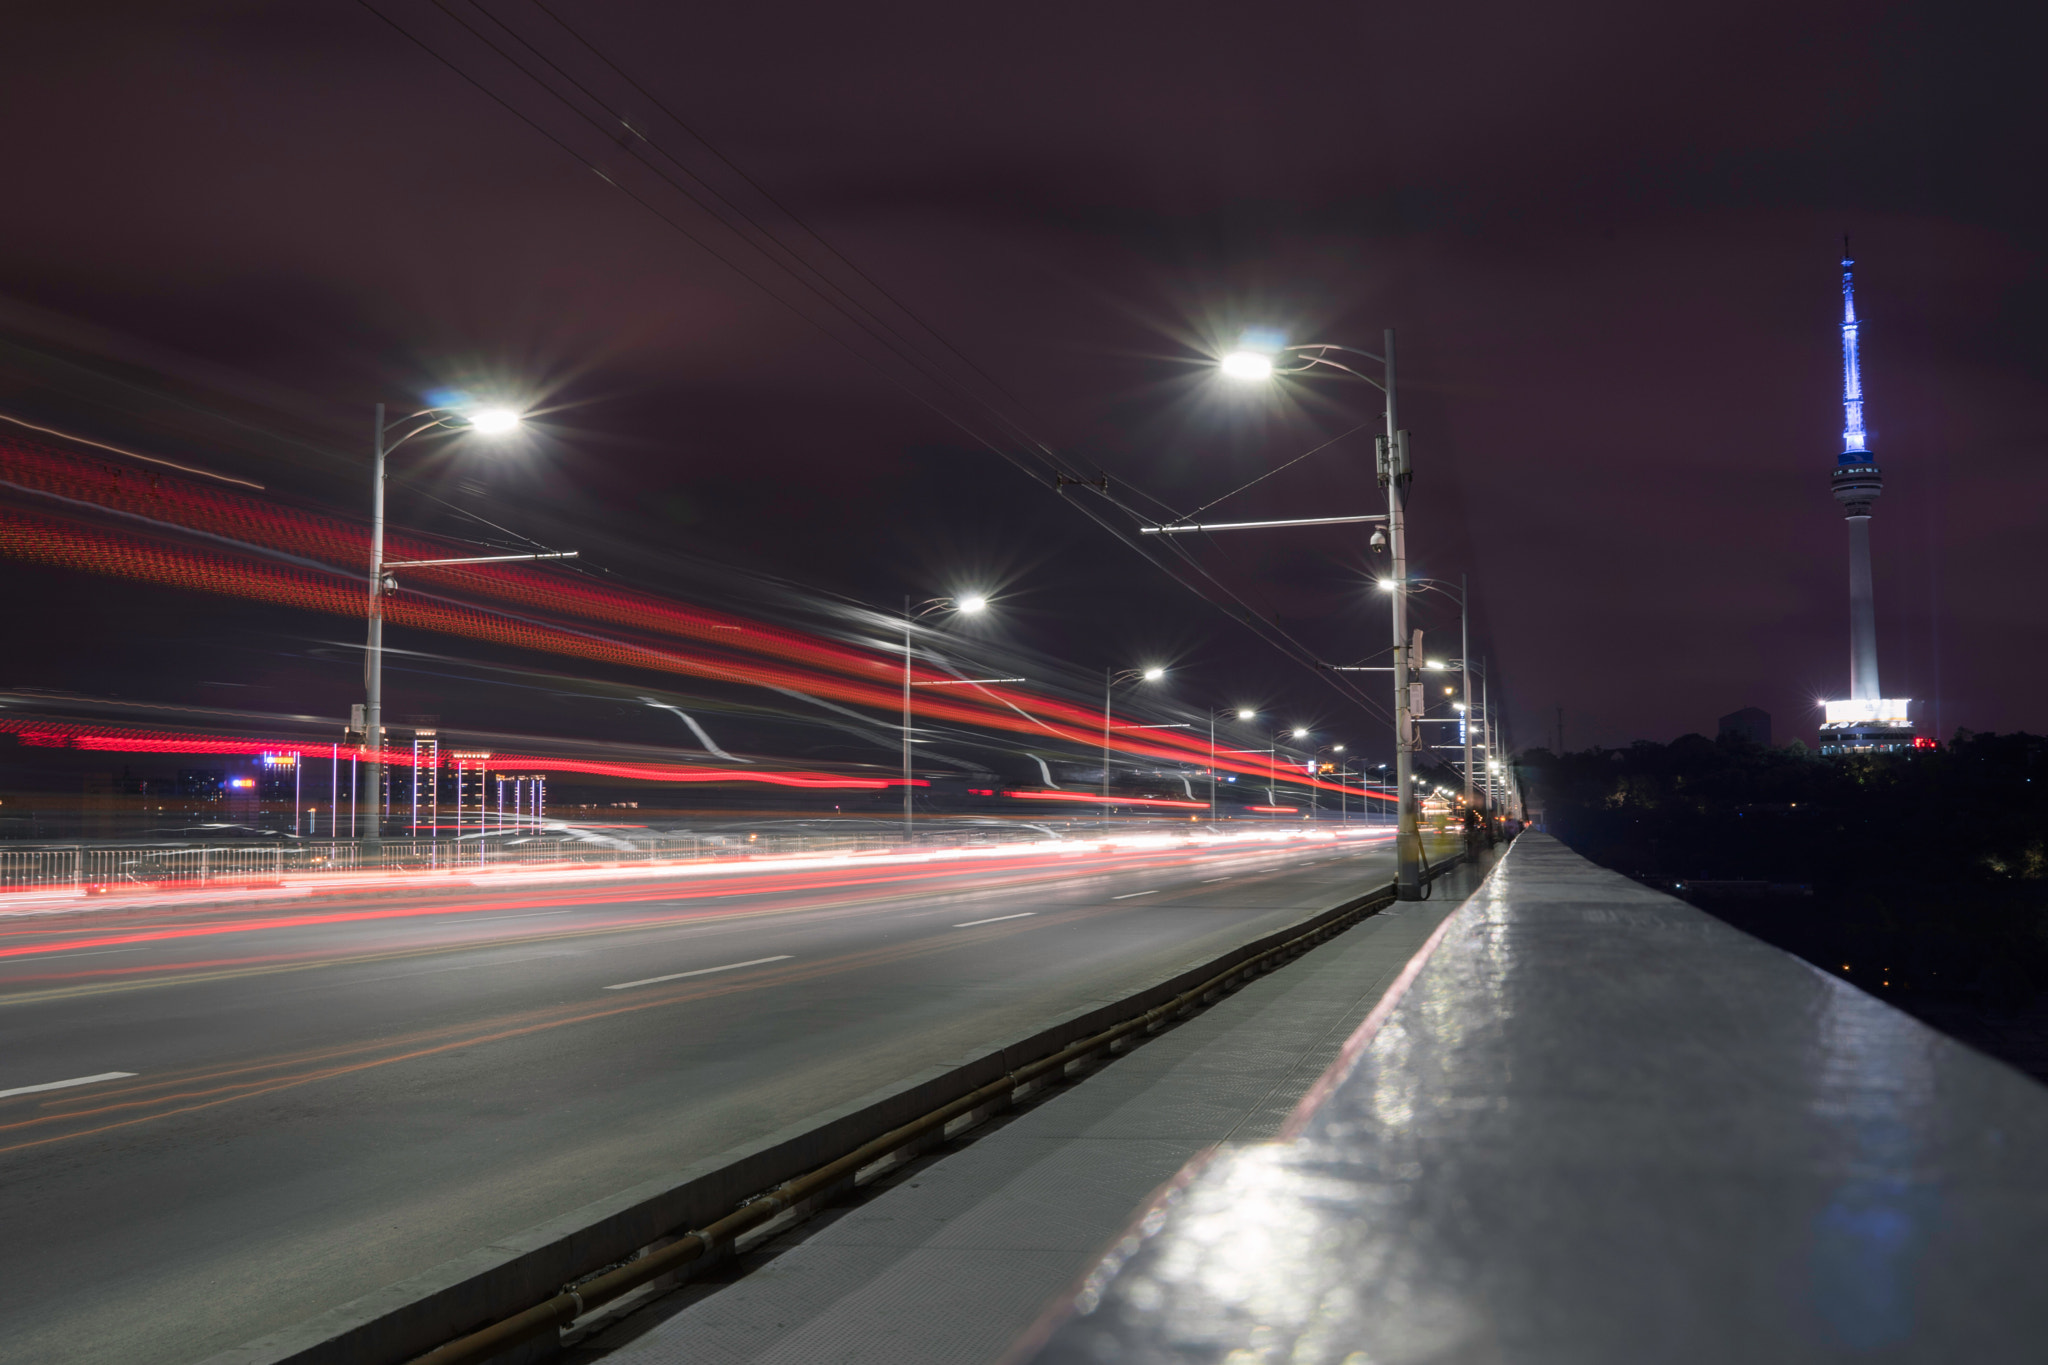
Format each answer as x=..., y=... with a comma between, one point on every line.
x=219, y=1121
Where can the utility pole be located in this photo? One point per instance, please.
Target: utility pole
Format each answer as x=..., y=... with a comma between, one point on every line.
x=1465, y=686
x=1212, y=770
x=1394, y=476
x=373, y=659
x=1486, y=706
x=908, y=815
x=1105, y=745
x=1392, y=450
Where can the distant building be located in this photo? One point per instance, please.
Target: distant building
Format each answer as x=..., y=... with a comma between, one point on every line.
x=1751, y=723
x=204, y=784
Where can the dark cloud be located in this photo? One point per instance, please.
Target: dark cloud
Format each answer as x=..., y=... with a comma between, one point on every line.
x=1606, y=234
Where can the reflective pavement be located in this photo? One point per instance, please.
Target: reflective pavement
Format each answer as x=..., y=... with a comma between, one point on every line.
x=1602, y=1126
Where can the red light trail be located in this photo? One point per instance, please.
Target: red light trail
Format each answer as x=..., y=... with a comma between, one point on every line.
x=118, y=739
x=848, y=675
x=1100, y=800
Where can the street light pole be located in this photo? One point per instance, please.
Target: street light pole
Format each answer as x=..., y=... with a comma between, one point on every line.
x=1487, y=711
x=1212, y=770
x=971, y=604
x=489, y=422
x=1110, y=679
x=1242, y=713
x=1473, y=790
x=1105, y=745
x=908, y=811
x=1465, y=684
x=1394, y=474
x=373, y=659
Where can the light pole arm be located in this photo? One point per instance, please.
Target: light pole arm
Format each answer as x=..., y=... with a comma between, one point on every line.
x=475, y=559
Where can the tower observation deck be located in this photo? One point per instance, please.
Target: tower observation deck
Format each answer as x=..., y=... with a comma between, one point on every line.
x=1867, y=721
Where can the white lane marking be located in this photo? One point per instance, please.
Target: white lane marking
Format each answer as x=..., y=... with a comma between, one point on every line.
x=1128, y=894
x=1021, y=914
x=701, y=971
x=1207, y=880
x=64, y=1085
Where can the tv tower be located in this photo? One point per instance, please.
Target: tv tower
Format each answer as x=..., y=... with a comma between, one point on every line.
x=1868, y=721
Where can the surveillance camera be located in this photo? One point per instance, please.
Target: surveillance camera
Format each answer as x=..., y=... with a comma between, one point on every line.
x=1379, y=541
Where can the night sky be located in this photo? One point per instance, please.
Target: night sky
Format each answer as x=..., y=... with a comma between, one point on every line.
x=1607, y=235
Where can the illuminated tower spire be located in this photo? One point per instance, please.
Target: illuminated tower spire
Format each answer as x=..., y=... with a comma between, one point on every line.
x=1853, y=448
x=1866, y=721
x=1857, y=482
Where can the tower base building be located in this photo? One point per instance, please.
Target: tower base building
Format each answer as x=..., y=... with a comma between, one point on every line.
x=1868, y=727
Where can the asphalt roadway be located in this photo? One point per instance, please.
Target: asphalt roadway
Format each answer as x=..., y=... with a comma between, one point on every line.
x=326, y=1095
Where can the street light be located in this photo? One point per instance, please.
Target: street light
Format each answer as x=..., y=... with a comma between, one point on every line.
x=1255, y=365
x=1247, y=365
x=1464, y=661
x=1109, y=681
x=1364, y=784
x=970, y=604
x=1273, y=761
x=1243, y=713
x=493, y=421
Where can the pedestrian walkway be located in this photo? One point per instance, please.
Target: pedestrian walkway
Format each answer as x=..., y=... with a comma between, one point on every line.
x=952, y=1265
x=1603, y=1128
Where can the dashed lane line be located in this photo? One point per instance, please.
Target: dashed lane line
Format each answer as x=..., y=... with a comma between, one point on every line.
x=701, y=971
x=66, y=1085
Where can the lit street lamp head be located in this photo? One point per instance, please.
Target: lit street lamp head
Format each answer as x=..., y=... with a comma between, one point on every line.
x=1246, y=715
x=1300, y=733
x=972, y=603
x=1247, y=365
x=1153, y=674
x=494, y=421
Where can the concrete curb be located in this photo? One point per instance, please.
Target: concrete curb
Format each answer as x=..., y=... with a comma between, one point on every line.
x=413, y=1316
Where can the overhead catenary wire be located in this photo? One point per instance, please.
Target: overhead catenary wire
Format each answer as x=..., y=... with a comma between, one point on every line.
x=1015, y=444
x=1064, y=473
x=1278, y=469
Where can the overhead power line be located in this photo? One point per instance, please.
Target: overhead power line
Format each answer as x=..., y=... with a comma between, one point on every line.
x=880, y=329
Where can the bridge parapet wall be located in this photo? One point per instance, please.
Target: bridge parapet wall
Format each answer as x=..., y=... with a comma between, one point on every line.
x=1599, y=1125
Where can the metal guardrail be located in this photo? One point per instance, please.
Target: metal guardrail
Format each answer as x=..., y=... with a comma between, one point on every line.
x=812, y=1190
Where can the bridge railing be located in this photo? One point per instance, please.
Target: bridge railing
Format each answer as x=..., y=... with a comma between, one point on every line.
x=109, y=867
